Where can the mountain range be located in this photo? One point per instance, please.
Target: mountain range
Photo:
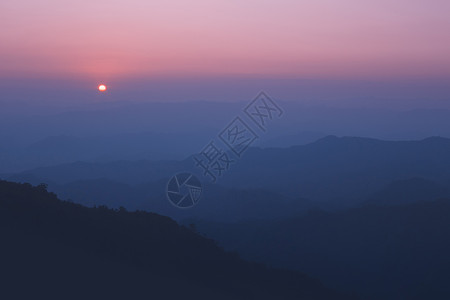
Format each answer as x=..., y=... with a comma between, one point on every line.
x=53, y=249
x=331, y=173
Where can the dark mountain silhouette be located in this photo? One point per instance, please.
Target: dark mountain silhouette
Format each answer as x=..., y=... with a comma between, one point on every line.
x=384, y=252
x=217, y=203
x=339, y=172
x=410, y=191
x=345, y=169
x=299, y=138
x=54, y=249
x=129, y=172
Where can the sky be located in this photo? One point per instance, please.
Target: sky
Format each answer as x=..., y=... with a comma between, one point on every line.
x=124, y=42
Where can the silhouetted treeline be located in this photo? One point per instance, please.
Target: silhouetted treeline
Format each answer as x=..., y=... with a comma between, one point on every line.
x=59, y=249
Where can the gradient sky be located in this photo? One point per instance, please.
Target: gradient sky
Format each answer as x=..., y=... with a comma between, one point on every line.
x=106, y=40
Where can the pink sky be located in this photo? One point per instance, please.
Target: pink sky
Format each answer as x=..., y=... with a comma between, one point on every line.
x=103, y=40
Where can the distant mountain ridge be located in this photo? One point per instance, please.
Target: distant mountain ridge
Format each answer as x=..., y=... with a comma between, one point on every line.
x=344, y=171
x=347, y=168
x=410, y=191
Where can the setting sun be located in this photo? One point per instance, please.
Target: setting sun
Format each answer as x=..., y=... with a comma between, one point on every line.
x=102, y=87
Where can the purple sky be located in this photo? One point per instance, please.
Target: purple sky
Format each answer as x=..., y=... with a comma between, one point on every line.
x=226, y=50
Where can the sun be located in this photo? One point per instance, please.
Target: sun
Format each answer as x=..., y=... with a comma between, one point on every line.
x=102, y=87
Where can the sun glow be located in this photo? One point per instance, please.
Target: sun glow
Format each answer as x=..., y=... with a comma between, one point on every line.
x=102, y=87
